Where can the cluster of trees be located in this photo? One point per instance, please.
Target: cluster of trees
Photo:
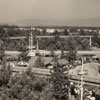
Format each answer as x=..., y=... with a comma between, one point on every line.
x=15, y=30
x=22, y=87
x=57, y=43
x=91, y=33
x=12, y=31
x=2, y=51
x=67, y=31
x=27, y=86
x=13, y=44
x=96, y=40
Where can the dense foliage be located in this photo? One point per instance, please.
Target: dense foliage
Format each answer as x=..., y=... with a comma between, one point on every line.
x=57, y=43
x=60, y=82
x=72, y=57
x=96, y=40
x=39, y=63
x=7, y=31
x=24, y=86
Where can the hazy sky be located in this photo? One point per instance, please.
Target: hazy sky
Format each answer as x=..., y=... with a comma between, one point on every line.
x=14, y=10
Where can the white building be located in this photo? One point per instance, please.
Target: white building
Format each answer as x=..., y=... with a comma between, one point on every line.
x=32, y=28
x=48, y=30
x=60, y=30
x=39, y=29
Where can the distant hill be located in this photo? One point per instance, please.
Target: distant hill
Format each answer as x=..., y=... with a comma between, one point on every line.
x=52, y=22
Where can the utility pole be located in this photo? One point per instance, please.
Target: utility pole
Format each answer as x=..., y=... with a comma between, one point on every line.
x=82, y=73
x=37, y=47
x=90, y=41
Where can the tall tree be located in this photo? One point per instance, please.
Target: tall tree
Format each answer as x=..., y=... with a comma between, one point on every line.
x=71, y=57
x=5, y=74
x=23, y=50
x=96, y=40
x=56, y=38
x=60, y=82
x=66, y=32
x=2, y=52
x=82, y=32
x=39, y=63
x=71, y=44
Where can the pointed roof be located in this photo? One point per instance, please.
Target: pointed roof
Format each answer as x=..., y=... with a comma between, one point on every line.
x=47, y=60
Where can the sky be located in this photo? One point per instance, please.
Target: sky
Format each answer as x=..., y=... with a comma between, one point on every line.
x=15, y=10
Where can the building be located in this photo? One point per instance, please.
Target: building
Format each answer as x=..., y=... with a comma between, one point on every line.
x=48, y=30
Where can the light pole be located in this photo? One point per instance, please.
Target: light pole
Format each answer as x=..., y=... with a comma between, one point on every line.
x=82, y=73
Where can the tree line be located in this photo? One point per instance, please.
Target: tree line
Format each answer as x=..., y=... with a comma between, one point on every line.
x=27, y=86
